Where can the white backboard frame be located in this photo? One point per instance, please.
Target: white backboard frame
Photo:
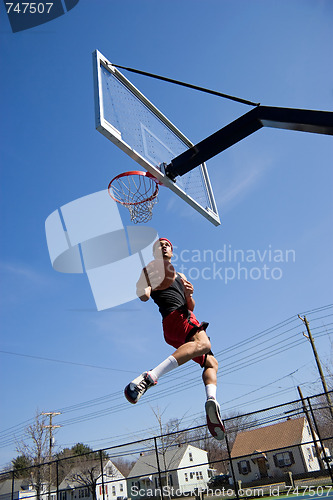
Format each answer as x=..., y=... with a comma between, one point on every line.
x=115, y=136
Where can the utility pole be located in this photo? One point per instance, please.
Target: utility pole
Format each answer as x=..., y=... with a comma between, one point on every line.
x=50, y=414
x=323, y=381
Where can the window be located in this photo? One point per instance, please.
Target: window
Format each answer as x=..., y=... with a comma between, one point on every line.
x=284, y=459
x=244, y=467
x=186, y=477
x=190, y=456
x=114, y=491
x=310, y=457
x=121, y=487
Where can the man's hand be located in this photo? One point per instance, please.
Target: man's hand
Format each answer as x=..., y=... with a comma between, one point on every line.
x=188, y=287
x=160, y=274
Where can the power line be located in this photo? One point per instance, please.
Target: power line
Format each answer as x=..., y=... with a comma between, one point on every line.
x=65, y=362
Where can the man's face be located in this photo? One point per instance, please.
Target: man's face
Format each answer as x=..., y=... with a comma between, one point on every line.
x=163, y=248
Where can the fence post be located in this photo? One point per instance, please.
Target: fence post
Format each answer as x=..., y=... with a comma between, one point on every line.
x=289, y=479
x=101, y=460
x=320, y=440
x=13, y=483
x=57, y=478
x=158, y=468
x=311, y=428
x=232, y=468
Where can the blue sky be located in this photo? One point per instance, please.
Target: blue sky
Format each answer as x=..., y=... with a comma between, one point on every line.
x=273, y=191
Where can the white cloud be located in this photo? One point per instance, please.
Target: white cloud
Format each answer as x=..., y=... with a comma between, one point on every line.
x=243, y=177
x=23, y=271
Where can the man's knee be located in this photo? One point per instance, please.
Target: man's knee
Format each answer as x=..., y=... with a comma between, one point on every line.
x=202, y=342
x=211, y=362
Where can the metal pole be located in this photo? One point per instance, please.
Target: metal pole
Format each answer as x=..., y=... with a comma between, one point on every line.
x=320, y=440
x=57, y=475
x=158, y=468
x=232, y=469
x=101, y=460
x=311, y=428
x=13, y=484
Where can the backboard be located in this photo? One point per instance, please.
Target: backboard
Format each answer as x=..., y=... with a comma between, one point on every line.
x=128, y=119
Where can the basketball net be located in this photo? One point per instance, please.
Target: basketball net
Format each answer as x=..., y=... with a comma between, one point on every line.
x=137, y=191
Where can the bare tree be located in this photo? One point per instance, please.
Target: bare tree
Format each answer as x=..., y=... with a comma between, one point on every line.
x=124, y=466
x=170, y=437
x=87, y=473
x=90, y=472
x=36, y=450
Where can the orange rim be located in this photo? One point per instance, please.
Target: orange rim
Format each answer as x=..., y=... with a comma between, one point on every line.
x=133, y=173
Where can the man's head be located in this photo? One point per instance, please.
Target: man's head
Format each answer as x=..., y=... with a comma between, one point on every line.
x=162, y=248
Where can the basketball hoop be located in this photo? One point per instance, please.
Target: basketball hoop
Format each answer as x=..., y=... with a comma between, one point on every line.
x=136, y=191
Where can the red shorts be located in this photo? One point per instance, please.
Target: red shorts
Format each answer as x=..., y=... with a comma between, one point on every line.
x=179, y=327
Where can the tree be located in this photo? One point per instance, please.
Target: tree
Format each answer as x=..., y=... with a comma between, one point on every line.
x=124, y=466
x=170, y=437
x=89, y=471
x=20, y=465
x=35, y=452
x=69, y=458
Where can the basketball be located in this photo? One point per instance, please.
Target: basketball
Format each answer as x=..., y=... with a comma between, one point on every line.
x=161, y=274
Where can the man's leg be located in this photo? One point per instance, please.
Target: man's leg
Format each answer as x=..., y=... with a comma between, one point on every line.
x=197, y=346
x=213, y=416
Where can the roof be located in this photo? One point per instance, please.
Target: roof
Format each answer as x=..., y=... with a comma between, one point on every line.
x=281, y=435
x=147, y=464
x=19, y=485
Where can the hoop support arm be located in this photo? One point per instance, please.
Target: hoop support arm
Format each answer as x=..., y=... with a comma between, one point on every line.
x=305, y=120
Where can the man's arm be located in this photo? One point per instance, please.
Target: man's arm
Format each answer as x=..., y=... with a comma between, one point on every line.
x=188, y=289
x=143, y=289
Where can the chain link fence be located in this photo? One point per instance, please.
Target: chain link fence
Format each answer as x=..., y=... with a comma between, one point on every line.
x=279, y=450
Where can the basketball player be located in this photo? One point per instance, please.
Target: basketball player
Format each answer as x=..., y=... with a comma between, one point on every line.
x=173, y=294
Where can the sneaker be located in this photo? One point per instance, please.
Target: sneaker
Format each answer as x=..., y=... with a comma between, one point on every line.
x=138, y=387
x=214, y=422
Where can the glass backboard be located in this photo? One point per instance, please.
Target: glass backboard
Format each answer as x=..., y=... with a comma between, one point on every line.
x=128, y=119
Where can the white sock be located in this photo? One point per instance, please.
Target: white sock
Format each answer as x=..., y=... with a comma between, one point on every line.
x=166, y=366
x=210, y=391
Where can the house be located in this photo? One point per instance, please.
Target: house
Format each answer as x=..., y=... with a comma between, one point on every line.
x=86, y=482
x=23, y=489
x=271, y=451
x=182, y=470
